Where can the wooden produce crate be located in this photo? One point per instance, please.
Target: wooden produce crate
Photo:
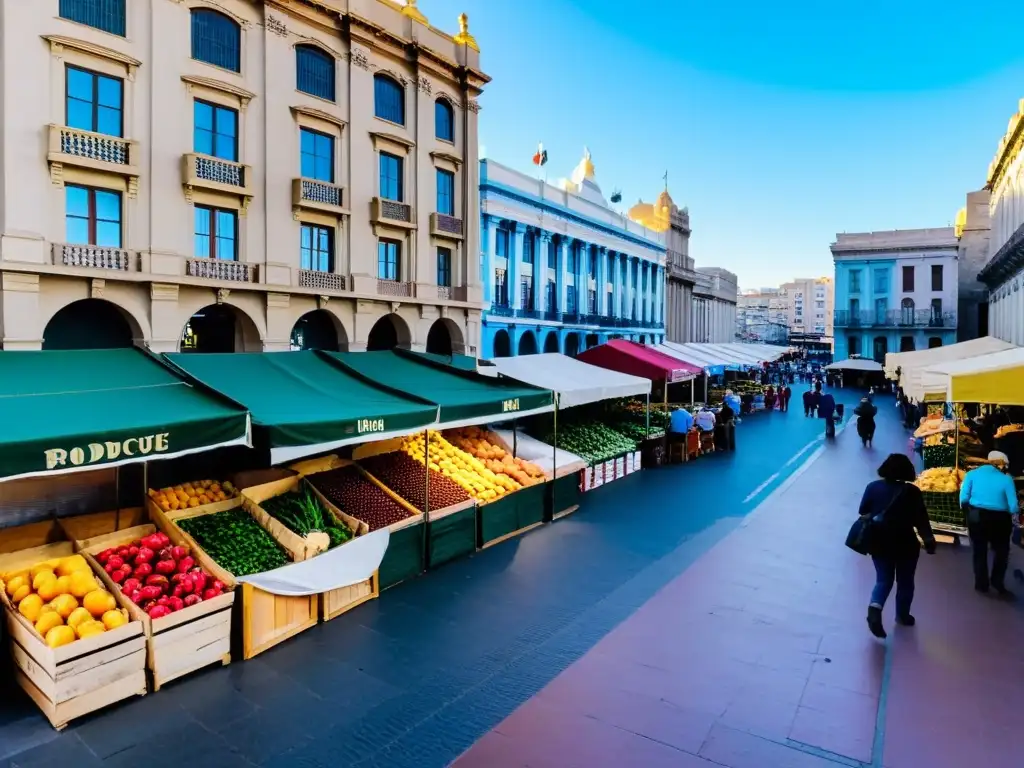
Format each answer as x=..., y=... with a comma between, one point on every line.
x=266, y=619
x=82, y=527
x=75, y=679
x=512, y=515
x=332, y=603
x=187, y=640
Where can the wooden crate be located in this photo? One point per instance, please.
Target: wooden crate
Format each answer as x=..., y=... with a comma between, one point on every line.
x=512, y=515
x=266, y=619
x=187, y=640
x=82, y=527
x=300, y=547
x=79, y=678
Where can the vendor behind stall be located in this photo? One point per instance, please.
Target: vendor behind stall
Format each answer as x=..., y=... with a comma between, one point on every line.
x=680, y=422
x=705, y=420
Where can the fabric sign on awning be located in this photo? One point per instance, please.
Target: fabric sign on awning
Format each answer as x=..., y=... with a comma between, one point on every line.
x=576, y=382
x=66, y=411
x=637, y=360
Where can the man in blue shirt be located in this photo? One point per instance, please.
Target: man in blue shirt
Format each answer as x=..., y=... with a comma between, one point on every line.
x=681, y=421
x=989, y=497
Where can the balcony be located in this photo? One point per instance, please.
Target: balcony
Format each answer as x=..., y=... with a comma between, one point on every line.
x=442, y=225
x=323, y=281
x=216, y=175
x=92, y=152
x=501, y=310
x=391, y=212
x=394, y=288
x=94, y=257
x=909, y=318
x=221, y=269
x=316, y=195
x=451, y=292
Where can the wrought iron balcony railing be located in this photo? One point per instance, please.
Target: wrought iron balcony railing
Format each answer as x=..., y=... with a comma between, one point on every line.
x=894, y=318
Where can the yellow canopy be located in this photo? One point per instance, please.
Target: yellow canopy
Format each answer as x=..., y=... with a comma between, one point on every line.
x=910, y=362
x=994, y=378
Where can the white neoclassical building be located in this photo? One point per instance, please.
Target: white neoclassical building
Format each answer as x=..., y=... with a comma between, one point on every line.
x=713, y=309
x=230, y=175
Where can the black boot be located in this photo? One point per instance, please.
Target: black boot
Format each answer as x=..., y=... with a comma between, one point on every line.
x=875, y=621
x=907, y=620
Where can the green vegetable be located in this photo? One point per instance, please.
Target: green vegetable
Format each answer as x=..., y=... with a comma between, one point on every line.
x=303, y=513
x=593, y=442
x=236, y=542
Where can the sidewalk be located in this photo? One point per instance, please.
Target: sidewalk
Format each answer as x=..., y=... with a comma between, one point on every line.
x=758, y=656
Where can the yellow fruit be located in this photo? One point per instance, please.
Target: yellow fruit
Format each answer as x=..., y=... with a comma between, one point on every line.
x=15, y=584
x=38, y=568
x=78, y=616
x=71, y=564
x=82, y=583
x=64, y=604
x=98, y=602
x=63, y=585
x=48, y=589
x=89, y=628
x=24, y=591
x=48, y=621
x=58, y=636
x=31, y=607
x=41, y=576
x=114, y=619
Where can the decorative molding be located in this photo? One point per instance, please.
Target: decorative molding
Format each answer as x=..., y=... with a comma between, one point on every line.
x=96, y=289
x=222, y=295
x=453, y=159
x=163, y=291
x=321, y=301
x=393, y=138
x=395, y=306
x=278, y=300
x=473, y=105
x=424, y=85
x=243, y=96
x=318, y=114
x=359, y=58
x=275, y=25
x=57, y=174
x=58, y=43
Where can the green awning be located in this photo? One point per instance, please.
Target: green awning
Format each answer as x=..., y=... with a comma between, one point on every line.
x=464, y=397
x=304, y=404
x=66, y=411
x=462, y=362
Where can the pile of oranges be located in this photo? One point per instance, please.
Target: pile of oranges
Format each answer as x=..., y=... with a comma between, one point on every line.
x=192, y=495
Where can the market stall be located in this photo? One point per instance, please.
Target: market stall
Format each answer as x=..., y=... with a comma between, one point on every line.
x=907, y=363
x=995, y=377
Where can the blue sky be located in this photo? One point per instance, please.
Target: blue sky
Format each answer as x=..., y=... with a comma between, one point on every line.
x=778, y=128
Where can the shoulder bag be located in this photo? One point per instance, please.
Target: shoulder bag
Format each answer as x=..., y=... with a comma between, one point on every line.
x=866, y=531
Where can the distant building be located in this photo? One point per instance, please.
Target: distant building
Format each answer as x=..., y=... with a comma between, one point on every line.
x=713, y=316
x=972, y=230
x=895, y=291
x=810, y=303
x=762, y=316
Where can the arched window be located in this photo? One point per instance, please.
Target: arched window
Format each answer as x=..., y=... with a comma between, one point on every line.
x=216, y=39
x=314, y=72
x=444, y=120
x=388, y=99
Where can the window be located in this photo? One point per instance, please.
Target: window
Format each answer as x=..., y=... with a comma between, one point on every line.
x=592, y=265
x=389, y=256
x=908, y=279
x=316, y=155
x=934, y=342
x=94, y=102
x=592, y=303
x=216, y=39
x=390, y=177
x=316, y=248
x=907, y=312
x=314, y=72
x=854, y=310
x=526, y=292
x=388, y=99
x=444, y=120
x=881, y=280
x=529, y=241
x=854, y=281
x=500, y=288
x=92, y=216
x=216, y=233
x=445, y=192
x=552, y=296
x=552, y=254
x=853, y=345
x=880, y=308
x=936, y=312
x=571, y=265
x=906, y=344
x=215, y=132
x=444, y=266
x=936, y=277
x=105, y=15
x=570, y=298
x=501, y=243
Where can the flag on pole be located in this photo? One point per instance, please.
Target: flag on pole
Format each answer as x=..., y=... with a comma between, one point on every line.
x=541, y=158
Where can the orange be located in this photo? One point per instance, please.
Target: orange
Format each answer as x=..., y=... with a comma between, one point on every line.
x=42, y=575
x=48, y=589
x=114, y=619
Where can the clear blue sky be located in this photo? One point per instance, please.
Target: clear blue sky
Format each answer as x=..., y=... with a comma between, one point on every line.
x=779, y=128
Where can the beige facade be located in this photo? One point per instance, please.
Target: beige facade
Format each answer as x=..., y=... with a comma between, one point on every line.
x=134, y=150
x=809, y=305
x=713, y=313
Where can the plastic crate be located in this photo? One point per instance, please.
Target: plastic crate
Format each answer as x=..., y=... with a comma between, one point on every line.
x=944, y=508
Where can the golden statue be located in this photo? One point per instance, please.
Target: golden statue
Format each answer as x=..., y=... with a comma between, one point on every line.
x=414, y=13
x=464, y=38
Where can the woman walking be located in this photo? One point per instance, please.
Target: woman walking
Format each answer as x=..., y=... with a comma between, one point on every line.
x=897, y=508
x=865, y=413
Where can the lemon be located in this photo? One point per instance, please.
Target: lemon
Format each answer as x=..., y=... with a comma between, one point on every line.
x=82, y=583
x=69, y=565
x=31, y=607
x=60, y=635
x=38, y=568
x=98, y=602
x=24, y=591
x=48, y=621
x=48, y=589
x=42, y=576
x=89, y=628
x=114, y=619
x=15, y=584
x=64, y=604
x=63, y=585
x=78, y=616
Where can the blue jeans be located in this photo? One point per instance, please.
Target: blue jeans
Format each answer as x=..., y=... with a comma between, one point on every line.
x=898, y=571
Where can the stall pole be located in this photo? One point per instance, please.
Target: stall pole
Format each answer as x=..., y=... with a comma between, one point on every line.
x=515, y=438
x=554, y=458
x=705, y=389
x=426, y=498
x=647, y=429
x=956, y=437
x=117, y=498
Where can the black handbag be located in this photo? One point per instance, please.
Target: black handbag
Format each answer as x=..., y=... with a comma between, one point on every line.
x=866, y=530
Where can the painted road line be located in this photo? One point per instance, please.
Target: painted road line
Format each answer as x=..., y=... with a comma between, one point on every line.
x=761, y=487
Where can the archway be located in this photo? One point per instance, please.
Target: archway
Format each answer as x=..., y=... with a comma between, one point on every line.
x=90, y=324
x=907, y=312
x=591, y=340
x=527, y=343
x=318, y=329
x=220, y=328
x=572, y=345
x=388, y=332
x=502, y=344
x=881, y=347
x=934, y=342
x=551, y=342
x=445, y=338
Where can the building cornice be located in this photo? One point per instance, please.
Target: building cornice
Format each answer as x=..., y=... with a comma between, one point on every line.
x=1009, y=148
x=1008, y=261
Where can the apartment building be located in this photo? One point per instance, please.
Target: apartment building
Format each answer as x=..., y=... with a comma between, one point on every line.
x=713, y=314
x=238, y=175
x=762, y=316
x=809, y=306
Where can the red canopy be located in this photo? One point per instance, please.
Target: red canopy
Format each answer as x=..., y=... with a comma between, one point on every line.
x=637, y=360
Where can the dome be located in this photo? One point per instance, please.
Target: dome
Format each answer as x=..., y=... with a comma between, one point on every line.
x=665, y=200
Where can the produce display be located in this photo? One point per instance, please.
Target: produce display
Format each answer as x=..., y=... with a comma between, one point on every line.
x=191, y=495
x=1008, y=428
x=939, y=438
x=157, y=576
x=352, y=493
x=405, y=476
x=594, y=442
x=482, y=445
x=304, y=514
x=235, y=541
x=63, y=600
x=940, y=480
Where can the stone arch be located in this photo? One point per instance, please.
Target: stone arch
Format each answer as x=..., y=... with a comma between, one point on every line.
x=220, y=328
x=445, y=338
x=388, y=332
x=572, y=344
x=591, y=340
x=527, y=344
x=502, y=344
x=319, y=329
x=551, y=342
x=92, y=324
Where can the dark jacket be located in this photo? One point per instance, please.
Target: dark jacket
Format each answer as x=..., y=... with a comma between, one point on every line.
x=808, y=399
x=865, y=411
x=904, y=512
x=827, y=406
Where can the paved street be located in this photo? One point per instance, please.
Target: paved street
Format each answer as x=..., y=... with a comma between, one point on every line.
x=663, y=624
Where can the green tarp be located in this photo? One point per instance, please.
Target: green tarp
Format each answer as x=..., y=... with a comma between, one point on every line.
x=464, y=397
x=63, y=411
x=305, y=404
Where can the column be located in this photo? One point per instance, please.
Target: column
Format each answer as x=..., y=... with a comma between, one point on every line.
x=582, y=279
x=560, y=273
x=515, y=256
x=659, y=297
x=618, y=287
x=631, y=288
x=489, y=237
x=645, y=294
x=602, y=281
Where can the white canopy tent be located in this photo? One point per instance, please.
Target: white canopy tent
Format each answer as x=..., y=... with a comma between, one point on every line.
x=929, y=358
x=855, y=364
x=993, y=377
x=693, y=354
x=574, y=382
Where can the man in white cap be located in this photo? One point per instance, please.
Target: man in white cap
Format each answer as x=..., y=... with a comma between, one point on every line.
x=989, y=497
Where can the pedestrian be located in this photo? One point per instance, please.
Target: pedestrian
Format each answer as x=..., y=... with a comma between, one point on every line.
x=865, y=413
x=769, y=398
x=826, y=410
x=808, y=400
x=787, y=393
x=897, y=507
x=989, y=497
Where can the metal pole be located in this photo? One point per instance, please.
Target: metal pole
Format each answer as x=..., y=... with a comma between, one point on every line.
x=117, y=498
x=554, y=458
x=426, y=498
x=647, y=429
